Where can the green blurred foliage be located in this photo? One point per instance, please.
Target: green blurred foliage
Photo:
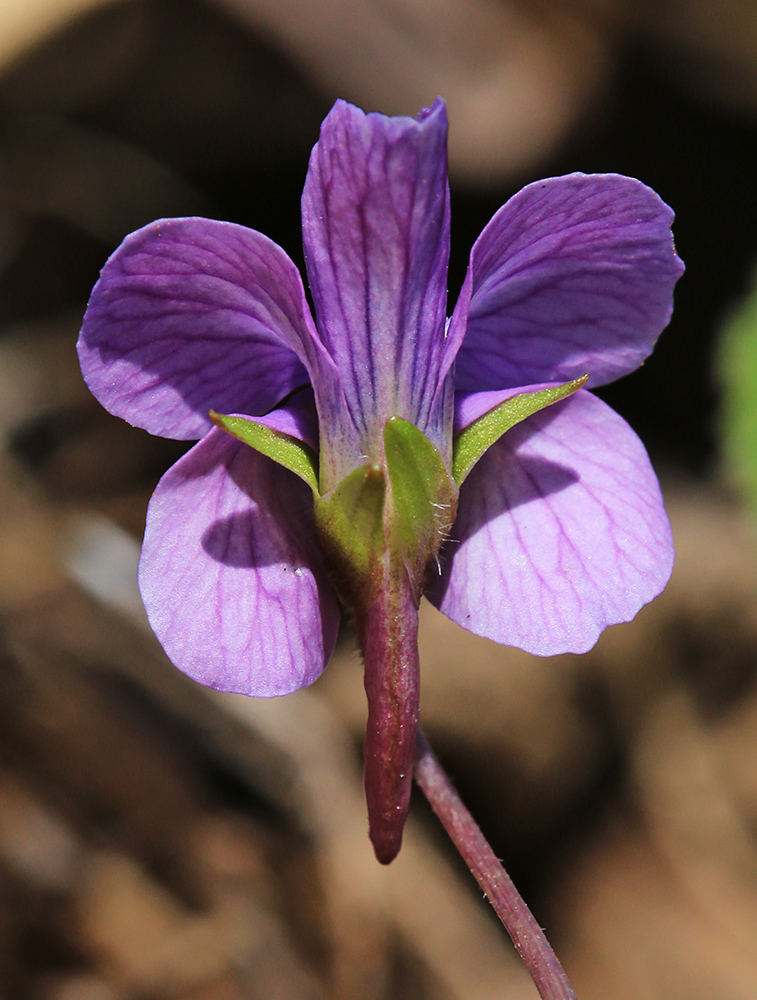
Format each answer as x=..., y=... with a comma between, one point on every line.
x=737, y=372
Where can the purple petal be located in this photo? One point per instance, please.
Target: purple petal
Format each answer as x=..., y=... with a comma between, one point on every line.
x=574, y=274
x=560, y=532
x=376, y=229
x=191, y=315
x=232, y=581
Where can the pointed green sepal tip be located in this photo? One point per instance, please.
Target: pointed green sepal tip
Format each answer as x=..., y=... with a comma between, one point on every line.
x=424, y=494
x=478, y=437
x=349, y=523
x=282, y=448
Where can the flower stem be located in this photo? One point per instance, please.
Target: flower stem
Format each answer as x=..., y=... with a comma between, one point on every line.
x=528, y=938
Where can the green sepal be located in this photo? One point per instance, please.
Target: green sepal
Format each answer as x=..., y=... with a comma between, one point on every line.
x=349, y=523
x=478, y=437
x=423, y=493
x=282, y=448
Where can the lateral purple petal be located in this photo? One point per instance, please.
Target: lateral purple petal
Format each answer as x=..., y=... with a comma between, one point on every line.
x=233, y=583
x=560, y=532
x=191, y=315
x=376, y=231
x=574, y=274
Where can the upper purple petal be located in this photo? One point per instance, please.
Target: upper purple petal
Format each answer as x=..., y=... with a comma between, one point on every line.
x=560, y=532
x=574, y=274
x=230, y=575
x=191, y=315
x=376, y=229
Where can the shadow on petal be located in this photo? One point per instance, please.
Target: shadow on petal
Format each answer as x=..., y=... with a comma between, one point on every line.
x=504, y=480
x=275, y=522
x=240, y=541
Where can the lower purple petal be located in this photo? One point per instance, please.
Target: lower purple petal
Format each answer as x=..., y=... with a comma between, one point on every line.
x=232, y=581
x=560, y=532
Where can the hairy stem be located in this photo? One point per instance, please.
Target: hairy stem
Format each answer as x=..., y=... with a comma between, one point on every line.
x=533, y=947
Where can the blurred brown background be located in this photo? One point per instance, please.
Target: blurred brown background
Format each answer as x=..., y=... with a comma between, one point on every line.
x=158, y=841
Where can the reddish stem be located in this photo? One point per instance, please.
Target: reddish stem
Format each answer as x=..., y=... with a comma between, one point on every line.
x=533, y=947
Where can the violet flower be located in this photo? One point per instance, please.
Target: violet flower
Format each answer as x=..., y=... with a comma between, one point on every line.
x=390, y=475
